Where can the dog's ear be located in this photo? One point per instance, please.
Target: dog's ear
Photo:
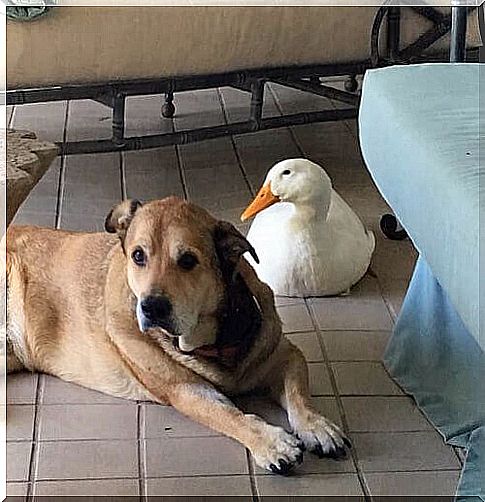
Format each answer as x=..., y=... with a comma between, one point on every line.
x=119, y=218
x=230, y=246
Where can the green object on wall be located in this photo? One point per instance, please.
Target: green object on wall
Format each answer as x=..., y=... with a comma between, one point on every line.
x=19, y=13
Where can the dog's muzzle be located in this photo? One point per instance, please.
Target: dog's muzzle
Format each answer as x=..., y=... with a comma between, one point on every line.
x=155, y=311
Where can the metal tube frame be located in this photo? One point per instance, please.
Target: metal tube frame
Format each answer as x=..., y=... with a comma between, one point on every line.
x=459, y=16
x=304, y=78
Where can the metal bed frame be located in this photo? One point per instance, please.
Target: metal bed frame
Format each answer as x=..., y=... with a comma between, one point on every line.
x=306, y=78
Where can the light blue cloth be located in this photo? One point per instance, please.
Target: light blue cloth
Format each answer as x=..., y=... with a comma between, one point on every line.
x=433, y=357
x=420, y=131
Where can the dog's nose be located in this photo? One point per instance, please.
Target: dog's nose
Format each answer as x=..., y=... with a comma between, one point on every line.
x=156, y=307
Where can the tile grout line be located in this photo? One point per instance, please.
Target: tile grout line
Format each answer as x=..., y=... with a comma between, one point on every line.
x=181, y=169
x=338, y=399
x=11, y=118
x=62, y=172
x=234, y=147
x=34, y=452
x=122, y=176
x=140, y=451
x=252, y=477
x=296, y=141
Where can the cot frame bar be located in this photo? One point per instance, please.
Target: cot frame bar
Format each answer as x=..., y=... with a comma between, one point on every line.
x=304, y=78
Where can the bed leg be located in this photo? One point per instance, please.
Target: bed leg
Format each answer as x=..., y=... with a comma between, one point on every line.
x=118, y=118
x=168, y=108
x=257, y=99
x=351, y=84
x=392, y=229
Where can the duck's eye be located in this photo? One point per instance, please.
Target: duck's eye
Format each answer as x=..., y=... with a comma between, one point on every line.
x=286, y=172
x=139, y=257
x=187, y=261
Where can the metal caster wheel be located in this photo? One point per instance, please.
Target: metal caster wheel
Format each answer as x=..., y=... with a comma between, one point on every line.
x=392, y=229
x=168, y=110
x=351, y=84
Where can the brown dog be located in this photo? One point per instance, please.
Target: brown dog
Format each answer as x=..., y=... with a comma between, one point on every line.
x=168, y=311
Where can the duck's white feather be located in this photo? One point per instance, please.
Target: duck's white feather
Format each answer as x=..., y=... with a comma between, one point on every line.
x=304, y=252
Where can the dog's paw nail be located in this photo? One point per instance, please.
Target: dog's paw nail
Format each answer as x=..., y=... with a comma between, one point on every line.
x=347, y=442
x=274, y=468
x=284, y=467
x=318, y=451
x=340, y=453
x=302, y=446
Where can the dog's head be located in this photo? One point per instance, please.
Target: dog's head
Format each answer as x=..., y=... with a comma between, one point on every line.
x=179, y=262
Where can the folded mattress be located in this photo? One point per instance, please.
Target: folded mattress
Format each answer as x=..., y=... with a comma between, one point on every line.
x=70, y=45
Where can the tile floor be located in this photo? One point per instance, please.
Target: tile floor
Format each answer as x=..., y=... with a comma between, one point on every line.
x=63, y=439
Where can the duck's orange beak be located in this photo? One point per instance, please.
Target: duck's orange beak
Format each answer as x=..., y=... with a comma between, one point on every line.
x=264, y=199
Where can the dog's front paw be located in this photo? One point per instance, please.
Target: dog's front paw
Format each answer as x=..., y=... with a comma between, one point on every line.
x=320, y=436
x=277, y=450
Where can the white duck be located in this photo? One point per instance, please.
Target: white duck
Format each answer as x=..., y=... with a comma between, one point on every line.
x=309, y=241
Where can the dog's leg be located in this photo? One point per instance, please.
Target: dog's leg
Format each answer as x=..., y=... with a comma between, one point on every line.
x=289, y=386
x=272, y=447
x=169, y=382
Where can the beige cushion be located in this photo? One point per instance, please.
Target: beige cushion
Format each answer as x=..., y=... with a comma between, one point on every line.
x=98, y=44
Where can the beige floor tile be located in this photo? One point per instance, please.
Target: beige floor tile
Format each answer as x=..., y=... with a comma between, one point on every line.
x=364, y=378
x=89, y=487
x=152, y=174
x=56, y=391
x=260, y=151
x=393, y=259
x=166, y=422
x=36, y=218
x=319, y=380
x=200, y=456
x=294, y=101
x=85, y=222
x=406, y=484
x=21, y=388
x=323, y=485
x=383, y=414
x=201, y=486
x=45, y=119
x=88, y=119
x=315, y=465
x=394, y=292
x=87, y=460
x=295, y=318
x=403, y=451
x=214, y=181
x=351, y=313
x=281, y=301
x=20, y=422
x=308, y=343
x=143, y=116
x=197, y=109
x=82, y=421
x=236, y=104
x=18, y=461
x=327, y=406
x=355, y=345
x=17, y=489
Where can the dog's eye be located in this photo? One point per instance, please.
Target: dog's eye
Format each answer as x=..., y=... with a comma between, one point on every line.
x=187, y=261
x=139, y=257
x=286, y=172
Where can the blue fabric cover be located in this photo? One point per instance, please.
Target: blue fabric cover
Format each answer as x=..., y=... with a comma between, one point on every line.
x=419, y=132
x=433, y=357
